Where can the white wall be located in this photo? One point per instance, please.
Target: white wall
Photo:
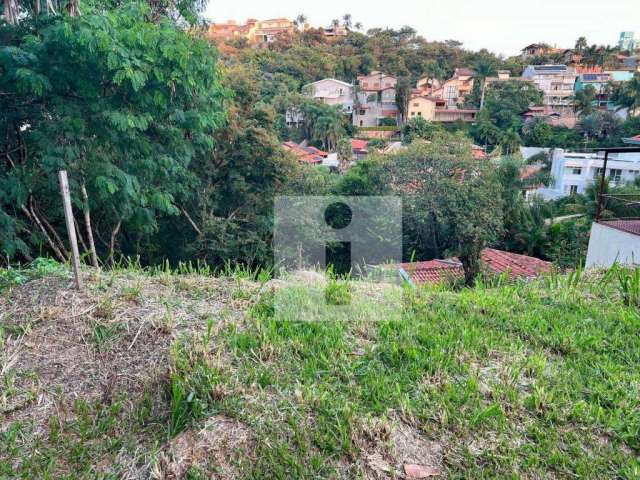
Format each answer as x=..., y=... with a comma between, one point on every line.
x=607, y=244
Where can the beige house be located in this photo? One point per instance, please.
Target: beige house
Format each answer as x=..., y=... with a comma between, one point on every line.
x=375, y=99
x=255, y=31
x=435, y=110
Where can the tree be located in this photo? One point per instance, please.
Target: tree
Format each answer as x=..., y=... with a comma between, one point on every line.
x=345, y=153
x=583, y=100
x=452, y=202
x=346, y=20
x=404, y=89
x=600, y=125
x=419, y=128
x=627, y=94
x=581, y=45
x=111, y=98
x=300, y=20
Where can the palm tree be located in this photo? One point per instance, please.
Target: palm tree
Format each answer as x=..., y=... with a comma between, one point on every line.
x=335, y=23
x=581, y=45
x=358, y=26
x=583, y=100
x=346, y=20
x=300, y=20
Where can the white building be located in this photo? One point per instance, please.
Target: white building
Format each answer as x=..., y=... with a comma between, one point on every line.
x=614, y=241
x=573, y=172
x=557, y=83
x=332, y=92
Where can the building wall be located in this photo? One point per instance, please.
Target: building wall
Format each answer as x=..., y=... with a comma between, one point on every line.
x=574, y=172
x=422, y=107
x=557, y=87
x=332, y=92
x=606, y=245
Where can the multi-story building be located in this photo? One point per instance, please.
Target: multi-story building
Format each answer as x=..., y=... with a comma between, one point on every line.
x=332, y=92
x=626, y=42
x=255, y=31
x=557, y=83
x=601, y=82
x=573, y=172
x=453, y=91
x=538, y=50
x=375, y=99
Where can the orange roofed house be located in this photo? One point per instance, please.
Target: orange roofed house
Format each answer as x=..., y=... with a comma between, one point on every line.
x=256, y=32
x=495, y=262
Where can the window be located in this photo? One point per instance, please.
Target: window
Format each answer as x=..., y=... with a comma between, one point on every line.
x=419, y=114
x=416, y=104
x=361, y=123
x=571, y=189
x=576, y=171
x=597, y=173
x=361, y=112
x=413, y=114
x=340, y=92
x=615, y=175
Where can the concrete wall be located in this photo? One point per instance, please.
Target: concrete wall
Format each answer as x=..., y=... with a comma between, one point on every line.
x=607, y=244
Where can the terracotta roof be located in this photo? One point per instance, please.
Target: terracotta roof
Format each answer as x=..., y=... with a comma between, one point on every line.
x=529, y=171
x=478, y=152
x=494, y=261
x=359, y=145
x=305, y=154
x=629, y=226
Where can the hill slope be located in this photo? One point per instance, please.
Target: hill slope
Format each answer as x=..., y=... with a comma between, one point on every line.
x=187, y=376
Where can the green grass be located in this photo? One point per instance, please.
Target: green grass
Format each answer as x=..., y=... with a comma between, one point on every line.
x=536, y=380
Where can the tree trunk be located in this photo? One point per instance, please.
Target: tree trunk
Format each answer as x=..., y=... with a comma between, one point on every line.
x=87, y=223
x=112, y=243
x=34, y=218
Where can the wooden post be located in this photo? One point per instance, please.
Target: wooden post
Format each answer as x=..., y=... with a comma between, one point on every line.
x=71, y=229
x=600, y=198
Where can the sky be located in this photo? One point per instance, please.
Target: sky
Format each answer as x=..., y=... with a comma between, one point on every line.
x=501, y=26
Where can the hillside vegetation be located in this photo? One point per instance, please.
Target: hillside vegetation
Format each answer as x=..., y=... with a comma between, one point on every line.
x=188, y=375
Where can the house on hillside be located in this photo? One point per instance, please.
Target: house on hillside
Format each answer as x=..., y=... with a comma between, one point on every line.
x=375, y=99
x=256, y=32
x=601, y=82
x=435, y=110
x=332, y=92
x=538, y=50
x=494, y=262
x=557, y=83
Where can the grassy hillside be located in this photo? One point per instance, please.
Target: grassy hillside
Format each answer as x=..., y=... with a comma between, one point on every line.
x=184, y=375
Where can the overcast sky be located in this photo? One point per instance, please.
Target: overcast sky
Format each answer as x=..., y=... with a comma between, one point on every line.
x=501, y=26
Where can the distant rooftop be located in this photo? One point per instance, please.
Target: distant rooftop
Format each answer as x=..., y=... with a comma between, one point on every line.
x=494, y=261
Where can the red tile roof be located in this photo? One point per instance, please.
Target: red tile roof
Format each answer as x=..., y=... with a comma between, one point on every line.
x=629, y=226
x=305, y=154
x=494, y=261
x=359, y=146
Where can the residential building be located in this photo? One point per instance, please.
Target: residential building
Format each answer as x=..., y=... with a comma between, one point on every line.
x=335, y=31
x=452, y=91
x=359, y=148
x=435, y=110
x=626, y=42
x=614, y=241
x=573, y=172
x=256, y=32
x=538, y=50
x=375, y=100
x=557, y=83
x=495, y=262
x=332, y=92
x=601, y=82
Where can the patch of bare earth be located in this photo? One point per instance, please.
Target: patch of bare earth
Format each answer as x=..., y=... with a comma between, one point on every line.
x=212, y=447
x=112, y=338
x=392, y=448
